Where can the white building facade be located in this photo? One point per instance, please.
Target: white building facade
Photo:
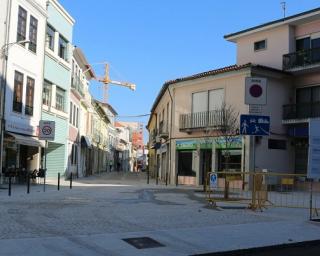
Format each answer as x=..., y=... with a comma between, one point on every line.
x=23, y=83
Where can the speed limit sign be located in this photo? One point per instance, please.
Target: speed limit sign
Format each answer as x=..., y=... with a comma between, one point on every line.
x=46, y=130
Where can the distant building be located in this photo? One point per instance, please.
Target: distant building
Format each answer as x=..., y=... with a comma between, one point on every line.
x=80, y=105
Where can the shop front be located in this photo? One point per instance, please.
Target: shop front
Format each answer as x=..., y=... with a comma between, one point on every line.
x=197, y=157
x=21, y=153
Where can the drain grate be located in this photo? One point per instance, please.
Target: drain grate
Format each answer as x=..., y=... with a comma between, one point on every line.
x=143, y=242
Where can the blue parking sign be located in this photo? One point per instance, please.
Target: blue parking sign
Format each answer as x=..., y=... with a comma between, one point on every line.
x=213, y=180
x=254, y=125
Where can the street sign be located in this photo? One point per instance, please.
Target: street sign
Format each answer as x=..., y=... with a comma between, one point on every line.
x=256, y=91
x=314, y=149
x=213, y=180
x=254, y=125
x=46, y=130
x=255, y=109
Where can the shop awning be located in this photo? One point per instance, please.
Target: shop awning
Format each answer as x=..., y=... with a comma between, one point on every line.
x=27, y=140
x=85, y=142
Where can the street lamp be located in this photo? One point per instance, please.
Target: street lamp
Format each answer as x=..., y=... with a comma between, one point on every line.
x=5, y=47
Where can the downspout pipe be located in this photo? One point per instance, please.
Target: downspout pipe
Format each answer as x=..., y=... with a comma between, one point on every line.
x=170, y=134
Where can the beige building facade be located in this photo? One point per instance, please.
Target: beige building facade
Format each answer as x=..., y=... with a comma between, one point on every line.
x=287, y=54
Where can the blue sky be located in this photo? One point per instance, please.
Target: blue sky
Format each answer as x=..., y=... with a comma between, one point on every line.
x=149, y=42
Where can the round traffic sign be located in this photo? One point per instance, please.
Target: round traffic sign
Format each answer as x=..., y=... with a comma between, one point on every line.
x=255, y=90
x=46, y=130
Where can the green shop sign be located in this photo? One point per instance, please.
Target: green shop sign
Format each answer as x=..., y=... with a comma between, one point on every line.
x=207, y=143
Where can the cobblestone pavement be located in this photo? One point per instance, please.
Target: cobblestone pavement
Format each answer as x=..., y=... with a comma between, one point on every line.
x=115, y=203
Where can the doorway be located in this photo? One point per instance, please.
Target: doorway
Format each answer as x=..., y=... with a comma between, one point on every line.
x=205, y=164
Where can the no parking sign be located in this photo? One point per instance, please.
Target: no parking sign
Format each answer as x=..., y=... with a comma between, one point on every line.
x=46, y=130
x=213, y=180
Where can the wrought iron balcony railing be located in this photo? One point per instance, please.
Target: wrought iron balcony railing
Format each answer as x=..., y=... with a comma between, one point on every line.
x=200, y=120
x=163, y=129
x=302, y=58
x=301, y=110
x=153, y=135
x=77, y=84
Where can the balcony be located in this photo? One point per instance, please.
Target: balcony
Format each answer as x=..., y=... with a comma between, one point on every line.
x=301, y=111
x=77, y=85
x=201, y=120
x=153, y=135
x=300, y=60
x=163, y=130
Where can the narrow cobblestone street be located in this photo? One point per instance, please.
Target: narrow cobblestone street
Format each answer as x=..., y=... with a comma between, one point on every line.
x=107, y=208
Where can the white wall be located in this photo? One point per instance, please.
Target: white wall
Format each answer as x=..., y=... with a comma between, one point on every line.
x=278, y=44
x=28, y=63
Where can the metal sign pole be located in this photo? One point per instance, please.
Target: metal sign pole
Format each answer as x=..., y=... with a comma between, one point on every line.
x=311, y=199
x=45, y=166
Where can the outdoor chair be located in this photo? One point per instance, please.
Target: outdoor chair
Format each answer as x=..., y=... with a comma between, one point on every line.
x=33, y=174
x=41, y=174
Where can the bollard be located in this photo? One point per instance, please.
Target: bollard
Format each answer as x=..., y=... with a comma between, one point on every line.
x=177, y=180
x=28, y=183
x=166, y=179
x=44, y=179
x=157, y=178
x=71, y=181
x=148, y=177
x=58, y=180
x=310, y=208
x=9, y=191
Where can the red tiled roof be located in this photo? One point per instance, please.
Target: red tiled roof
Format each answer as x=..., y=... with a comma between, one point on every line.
x=209, y=73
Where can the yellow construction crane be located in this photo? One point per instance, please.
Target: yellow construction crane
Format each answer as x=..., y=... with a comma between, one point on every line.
x=106, y=81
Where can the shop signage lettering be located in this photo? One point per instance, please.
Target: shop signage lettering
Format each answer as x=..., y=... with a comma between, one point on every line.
x=20, y=128
x=219, y=143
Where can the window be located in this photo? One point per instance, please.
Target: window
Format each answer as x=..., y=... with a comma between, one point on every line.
x=77, y=121
x=29, y=96
x=17, y=93
x=33, y=29
x=185, y=164
x=22, y=24
x=63, y=45
x=309, y=49
x=74, y=154
x=260, y=45
x=74, y=115
x=60, y=95
x=199, y=102
x=70, y=114
x=207, y=101
x=46, y=93
x=277, y=144
x=303, y=44
x=50, y=37
x=216, y=99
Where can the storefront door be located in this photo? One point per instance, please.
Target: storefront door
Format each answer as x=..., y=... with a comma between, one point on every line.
x=205, y=164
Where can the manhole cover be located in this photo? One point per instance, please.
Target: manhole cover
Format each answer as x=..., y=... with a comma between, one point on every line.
x=143, y=242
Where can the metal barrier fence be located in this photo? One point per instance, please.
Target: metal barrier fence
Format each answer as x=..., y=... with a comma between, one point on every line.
x=260, y=190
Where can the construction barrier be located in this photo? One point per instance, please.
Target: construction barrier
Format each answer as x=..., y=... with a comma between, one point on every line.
x=260, y=190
